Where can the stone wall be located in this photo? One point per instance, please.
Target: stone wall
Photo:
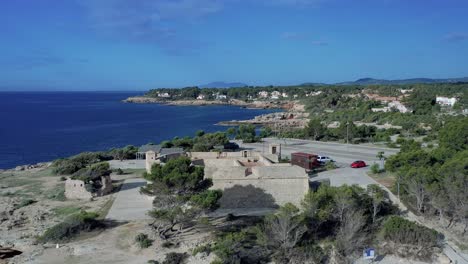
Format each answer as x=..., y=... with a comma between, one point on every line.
x=259, y=193
x=75, y=189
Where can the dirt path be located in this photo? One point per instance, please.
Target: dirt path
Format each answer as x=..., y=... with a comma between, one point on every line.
x=130, y=204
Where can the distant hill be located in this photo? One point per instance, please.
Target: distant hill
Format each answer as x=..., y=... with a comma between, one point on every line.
x=369, y=81
x=222, y=85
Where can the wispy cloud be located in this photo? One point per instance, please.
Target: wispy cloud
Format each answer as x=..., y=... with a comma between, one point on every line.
x=456, y=37
x=319, y=43
x=38, y=59
x=162, y=22
x=300, y=3
x=303, y=37
x=154, y=21
x=292, y=35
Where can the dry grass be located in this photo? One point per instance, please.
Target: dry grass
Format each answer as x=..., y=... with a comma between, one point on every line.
x=384, y=178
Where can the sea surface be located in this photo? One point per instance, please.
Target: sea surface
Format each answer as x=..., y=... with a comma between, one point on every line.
x=43, y=126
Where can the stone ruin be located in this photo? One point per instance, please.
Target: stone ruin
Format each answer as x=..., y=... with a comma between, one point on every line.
x=76, y=189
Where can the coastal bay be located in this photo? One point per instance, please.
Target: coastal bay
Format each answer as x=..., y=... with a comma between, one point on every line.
x=43, y=126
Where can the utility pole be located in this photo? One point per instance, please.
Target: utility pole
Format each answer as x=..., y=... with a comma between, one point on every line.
x=398, y=187
x=347, y=132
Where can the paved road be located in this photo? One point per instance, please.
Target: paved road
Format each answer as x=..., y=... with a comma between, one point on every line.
x=342, y=153
x=130, y=204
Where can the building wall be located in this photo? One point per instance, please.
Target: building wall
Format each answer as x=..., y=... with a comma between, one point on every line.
x=75, y=189
x=268, y=185
x=259, y=193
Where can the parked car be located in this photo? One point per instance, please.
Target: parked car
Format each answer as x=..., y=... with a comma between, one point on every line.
x=324, y=159
x=358, y=164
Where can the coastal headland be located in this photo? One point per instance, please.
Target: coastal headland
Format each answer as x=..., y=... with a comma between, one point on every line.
x=294, y=115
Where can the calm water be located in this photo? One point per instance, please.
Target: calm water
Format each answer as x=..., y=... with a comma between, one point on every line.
x=36, y=127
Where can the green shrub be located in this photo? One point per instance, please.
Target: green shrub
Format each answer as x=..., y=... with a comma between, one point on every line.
x=119, y=171
x=207, y=199
x=57, y=194
x=75, y=163
x=402, y=231
x=143, y=240
x=330, y=166
x=71, y=226
x=375, y=168
x=175, y=258
x=24, y=203
x=167, y=244
x=206, y=248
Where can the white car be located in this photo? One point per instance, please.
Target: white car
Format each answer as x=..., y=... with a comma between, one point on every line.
x=324, y=159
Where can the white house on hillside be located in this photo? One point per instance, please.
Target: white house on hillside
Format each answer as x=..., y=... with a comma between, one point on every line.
x=446, y=100
x=201, y=97
x=263, y=94
x=275, y=95
x=219, y=96
x=399, y=106
x=285, y=95
x=314, y=93
x=164, y=95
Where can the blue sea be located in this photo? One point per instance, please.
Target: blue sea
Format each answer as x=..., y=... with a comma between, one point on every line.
x=43, y=126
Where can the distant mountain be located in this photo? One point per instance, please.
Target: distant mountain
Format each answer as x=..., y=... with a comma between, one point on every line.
x=222, y=85
x=369, y=81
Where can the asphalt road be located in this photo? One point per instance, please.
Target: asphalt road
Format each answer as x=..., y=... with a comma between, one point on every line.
x=343, y=154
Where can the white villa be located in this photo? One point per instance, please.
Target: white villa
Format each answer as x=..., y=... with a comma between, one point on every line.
x=399, y=106
x=201, y=97
x=263, y=94
x=285, y=95
x=275, y=95
x=314, y=93
x=446, y=100
x=164, y=95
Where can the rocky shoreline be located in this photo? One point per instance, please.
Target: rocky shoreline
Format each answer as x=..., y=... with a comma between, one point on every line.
x=293, y=117
x=286, y=105
x=276, y=121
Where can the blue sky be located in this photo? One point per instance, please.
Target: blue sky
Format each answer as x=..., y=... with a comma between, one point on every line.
x=143, y=44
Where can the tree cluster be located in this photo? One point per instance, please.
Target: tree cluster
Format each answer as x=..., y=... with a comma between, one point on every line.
x=182, y=196
x=435, y=183
x=333, y=222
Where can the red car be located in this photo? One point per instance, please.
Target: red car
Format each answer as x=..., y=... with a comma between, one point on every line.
x=358, y=164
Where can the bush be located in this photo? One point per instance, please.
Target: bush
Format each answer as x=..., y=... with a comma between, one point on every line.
x=167, y=244
x=375, y=168
x=206, y=248
x=401, y=231
x=73, y=164
x=175, y=258
x=330, y=166
x=143, y=240
x=57, y=194
x=119, y=171
x=24, y=203
x=71, y=226
x=207, y=199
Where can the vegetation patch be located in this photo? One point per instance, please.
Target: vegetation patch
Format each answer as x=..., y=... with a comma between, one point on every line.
x=58, y=193
x=65, y=210
x=71, y=226
x=409, y=239
x=24, y=203
x=143, y=240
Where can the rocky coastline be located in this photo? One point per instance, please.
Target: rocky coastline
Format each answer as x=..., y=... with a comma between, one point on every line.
x=259, y=104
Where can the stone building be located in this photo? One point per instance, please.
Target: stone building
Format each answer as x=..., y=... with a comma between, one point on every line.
x=251, y=179
x=163, y=155
x=76, y=189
